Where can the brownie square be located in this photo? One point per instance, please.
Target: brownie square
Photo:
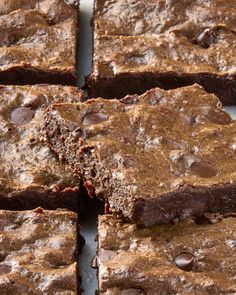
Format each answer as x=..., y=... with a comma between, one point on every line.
x=140, y=45
x=38, y=252
x=31, y=175
x=185, y=258
x=157, y=157
x=38, y=41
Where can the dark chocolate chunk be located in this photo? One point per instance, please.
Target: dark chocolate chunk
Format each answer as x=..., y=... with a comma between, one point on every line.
x=79, y=133
x=206, y=38
x=185, y=261
x=203, y=169
x=21, y=115
x=95, y=118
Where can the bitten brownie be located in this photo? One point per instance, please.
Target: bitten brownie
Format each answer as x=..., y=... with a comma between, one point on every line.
x=184, y=259
x=38, y=41
x=155, y=157
x=30, y=173
x=140, y=45
x=38, y=252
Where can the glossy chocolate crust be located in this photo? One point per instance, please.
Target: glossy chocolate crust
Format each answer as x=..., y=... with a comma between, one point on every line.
x=140, y=45
x=155, y=157
x=38, y=252
x=30, y=173
x=182, y=259
x=38, y=41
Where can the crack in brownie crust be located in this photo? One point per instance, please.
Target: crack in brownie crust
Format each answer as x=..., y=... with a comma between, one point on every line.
x=38, y=41
x=30, y=173
x=38, y=252
x=184, y=259
x=156, y=157
x=165, y=44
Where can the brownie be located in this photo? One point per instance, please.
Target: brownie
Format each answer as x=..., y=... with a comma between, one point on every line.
x=185, y=258
x=31, y=175
x=155, y=157
x=38, y=41
x=38, y=252
x=140, y=45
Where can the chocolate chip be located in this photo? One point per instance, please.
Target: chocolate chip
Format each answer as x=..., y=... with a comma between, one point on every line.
x=95, y=118
x=139, y=59
x=130, y=99
x=131, y=292
x=21, y=115
x=185, y=261
x=203, y=169
x=219, y=117
x=106, y=255
x=206, y=38
x=79, y=133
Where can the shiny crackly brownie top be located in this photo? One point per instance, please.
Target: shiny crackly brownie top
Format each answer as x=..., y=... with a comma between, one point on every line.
x=37, y=252
x=26, y=163
x=143, y=150
x=192, y=36
x=184, y=259
x=38, y=34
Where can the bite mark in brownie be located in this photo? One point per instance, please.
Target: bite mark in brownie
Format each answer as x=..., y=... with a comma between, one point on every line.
x=38, y=252
x=139, y=45
x=155, y=157
x=38, y=41
x=31, y=175
x=185, y=258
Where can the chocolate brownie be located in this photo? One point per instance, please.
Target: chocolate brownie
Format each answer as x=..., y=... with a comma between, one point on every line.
x=38, y=252
x=185, y=258
x=38, y=41
x=30, y=173
x=155, y=157
x=140, y=44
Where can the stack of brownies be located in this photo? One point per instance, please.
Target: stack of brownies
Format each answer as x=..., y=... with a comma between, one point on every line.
x=163, y=161
x=39, y=247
